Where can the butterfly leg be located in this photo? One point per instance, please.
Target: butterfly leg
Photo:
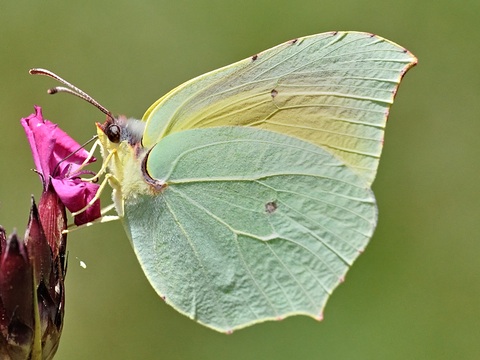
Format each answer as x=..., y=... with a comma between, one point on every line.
x=100, y=220
x=97, y=195
x=103, y=169
x=91, y=152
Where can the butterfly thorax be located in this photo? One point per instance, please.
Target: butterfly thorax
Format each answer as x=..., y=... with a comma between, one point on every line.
x=123, y=152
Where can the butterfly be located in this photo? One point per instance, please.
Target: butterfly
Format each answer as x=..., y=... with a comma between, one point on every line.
x=245, y=192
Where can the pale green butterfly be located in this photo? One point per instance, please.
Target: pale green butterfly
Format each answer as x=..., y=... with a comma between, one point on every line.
x=246, y=191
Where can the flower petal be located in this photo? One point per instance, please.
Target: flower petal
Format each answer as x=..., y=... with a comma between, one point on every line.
x=75, y=194
x=41, y=140
x=52, y=149
x=67, y=150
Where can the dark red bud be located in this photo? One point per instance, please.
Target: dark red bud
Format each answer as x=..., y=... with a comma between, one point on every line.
x=31, y=284
x=17, y=299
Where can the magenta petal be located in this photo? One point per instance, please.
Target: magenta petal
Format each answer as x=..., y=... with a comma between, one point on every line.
x=66, y=146
x=58, y=159
x=75, y=194
x=51, y=146
x=41, y=141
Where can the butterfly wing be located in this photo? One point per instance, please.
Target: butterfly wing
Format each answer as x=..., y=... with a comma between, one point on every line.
x=253, y=225
x=268, y=164
x=333, y=90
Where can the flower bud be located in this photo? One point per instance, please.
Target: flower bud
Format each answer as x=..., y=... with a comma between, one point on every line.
x=32, y=274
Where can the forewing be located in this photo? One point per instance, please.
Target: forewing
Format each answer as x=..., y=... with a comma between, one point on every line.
x=253, y=225
x=332, y=89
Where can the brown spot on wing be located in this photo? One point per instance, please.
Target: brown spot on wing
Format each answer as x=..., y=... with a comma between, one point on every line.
x=271, y=207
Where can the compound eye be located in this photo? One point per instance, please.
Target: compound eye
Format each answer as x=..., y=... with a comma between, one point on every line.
x=113, y=133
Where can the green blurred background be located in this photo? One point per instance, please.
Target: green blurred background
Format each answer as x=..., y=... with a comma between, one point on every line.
x=414, y=294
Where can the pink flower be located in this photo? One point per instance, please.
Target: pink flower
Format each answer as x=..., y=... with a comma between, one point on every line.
x=57, y=159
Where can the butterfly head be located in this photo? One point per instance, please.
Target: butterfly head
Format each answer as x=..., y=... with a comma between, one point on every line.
x=122, y=129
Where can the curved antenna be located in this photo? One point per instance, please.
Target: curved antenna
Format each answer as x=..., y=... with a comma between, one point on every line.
x=70, y=89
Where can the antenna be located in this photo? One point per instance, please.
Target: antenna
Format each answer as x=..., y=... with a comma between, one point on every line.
x=70, y=89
